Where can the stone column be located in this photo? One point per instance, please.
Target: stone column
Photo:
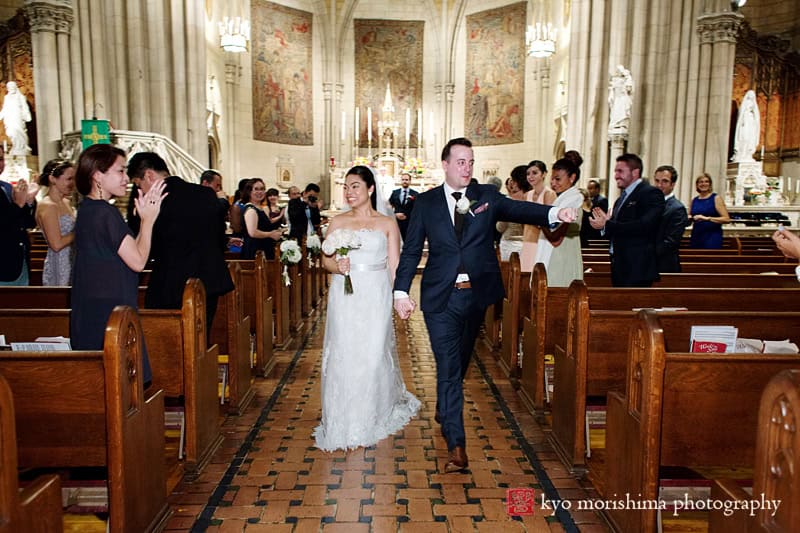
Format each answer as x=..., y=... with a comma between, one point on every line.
x=178, y=83
x=720, y=29
x=342, y=152
x=232, y=73
x=63, y=26
x=438, y=131
x=450, y=92
x=44, y=18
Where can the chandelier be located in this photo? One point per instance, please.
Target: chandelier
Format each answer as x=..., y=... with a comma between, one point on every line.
x=234, y=34
x=541, y=40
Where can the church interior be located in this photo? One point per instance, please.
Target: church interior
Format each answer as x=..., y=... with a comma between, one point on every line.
x=299, y=91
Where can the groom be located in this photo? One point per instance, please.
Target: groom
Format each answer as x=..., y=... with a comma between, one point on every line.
x=461, y=276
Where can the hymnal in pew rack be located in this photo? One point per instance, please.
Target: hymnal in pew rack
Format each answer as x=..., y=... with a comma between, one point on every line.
x=713, y=339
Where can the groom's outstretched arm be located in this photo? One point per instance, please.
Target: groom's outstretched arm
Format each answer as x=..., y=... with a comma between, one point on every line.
x=412, y=251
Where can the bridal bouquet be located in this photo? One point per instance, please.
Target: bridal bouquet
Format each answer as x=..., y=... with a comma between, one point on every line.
x=313, y=248
x=340, y=242
x=290, y=254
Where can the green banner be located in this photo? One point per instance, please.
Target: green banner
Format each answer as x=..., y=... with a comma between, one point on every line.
x=95, y=132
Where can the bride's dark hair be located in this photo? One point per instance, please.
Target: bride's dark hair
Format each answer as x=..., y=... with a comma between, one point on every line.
x=367, y=177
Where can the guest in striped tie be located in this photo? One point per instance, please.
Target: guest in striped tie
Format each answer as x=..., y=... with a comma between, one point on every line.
x=632, y=226
x=17, y=206
x=402, y=201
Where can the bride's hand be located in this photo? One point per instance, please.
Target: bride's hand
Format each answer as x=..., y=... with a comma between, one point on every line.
x=344, y=265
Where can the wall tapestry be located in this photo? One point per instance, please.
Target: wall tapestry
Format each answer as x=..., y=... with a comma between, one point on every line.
x=281, y=42
x=388, y=52
x=495, y=76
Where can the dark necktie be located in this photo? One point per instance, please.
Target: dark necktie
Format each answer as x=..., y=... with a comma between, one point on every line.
x=619, y=202
x=458, y=218
x=405, y=196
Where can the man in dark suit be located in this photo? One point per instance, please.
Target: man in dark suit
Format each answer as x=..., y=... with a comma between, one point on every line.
x=598, y=200
x=632, y=226
x=402, y=201
x=17, y=206
x=188, y=241
x=213, y=180
x=461, y=276
x=304, y=216
x=673, y=221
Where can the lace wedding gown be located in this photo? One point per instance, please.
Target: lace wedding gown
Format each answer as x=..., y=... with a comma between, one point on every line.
x=364, y=398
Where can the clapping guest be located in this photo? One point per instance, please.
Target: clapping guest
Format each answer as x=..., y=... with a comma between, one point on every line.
x=261, y=232
x=560, y=249
x=511, y=232
x=540, y=194
x=789, y=245
x=17, y=204
x=107, y=256
x=56, y=217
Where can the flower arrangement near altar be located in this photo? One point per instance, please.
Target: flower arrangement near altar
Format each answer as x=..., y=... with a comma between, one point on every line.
x=361, y=161
x=313, y=248
x=414, y=165
x=290, y=255
x=340, y=242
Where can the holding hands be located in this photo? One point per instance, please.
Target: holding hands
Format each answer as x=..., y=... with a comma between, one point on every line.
x=404, y=307
x=148, y=204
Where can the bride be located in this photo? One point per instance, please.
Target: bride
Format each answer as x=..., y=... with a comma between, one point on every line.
x=364, y=398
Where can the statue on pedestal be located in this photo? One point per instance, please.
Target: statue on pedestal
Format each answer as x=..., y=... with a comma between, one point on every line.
x=620, y=101
x=748, y=129
x=14, y=114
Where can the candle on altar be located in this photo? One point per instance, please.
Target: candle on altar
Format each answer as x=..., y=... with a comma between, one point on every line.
x=344, y=126
x=357, y=128
x=369, y=124
x=408, y=125
x=419, y=127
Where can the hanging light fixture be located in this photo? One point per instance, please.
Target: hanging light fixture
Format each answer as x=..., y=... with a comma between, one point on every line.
x=541, y=40
x=234, y=34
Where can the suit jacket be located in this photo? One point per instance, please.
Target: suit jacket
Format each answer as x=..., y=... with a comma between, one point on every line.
x=14, y=223
x=601, y=202
x=670, y=232
x=188, y=242
x=395, y=200
x=633, y=232
x=475, y=251
x=298, y=221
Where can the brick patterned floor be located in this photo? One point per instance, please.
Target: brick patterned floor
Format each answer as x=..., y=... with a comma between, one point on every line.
x=269, y=477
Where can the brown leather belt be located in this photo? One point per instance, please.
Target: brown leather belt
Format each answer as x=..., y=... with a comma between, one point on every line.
x=463, y=285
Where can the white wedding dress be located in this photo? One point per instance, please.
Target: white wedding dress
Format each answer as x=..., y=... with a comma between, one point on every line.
x=364, y=398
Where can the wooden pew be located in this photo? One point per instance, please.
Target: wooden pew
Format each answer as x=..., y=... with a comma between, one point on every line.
x=231, y=331
x=280, y=294
x=590, y=356
x=296, y=298
x=88, y=409
x=687, y=279
x=686, y=258
x=685, y=409
x=776, y=474
x=257, y=303
x=182, y=363
x=515, y=305
x=35, y=508
x=306, y=291
x=713, y=268
x=494, y=313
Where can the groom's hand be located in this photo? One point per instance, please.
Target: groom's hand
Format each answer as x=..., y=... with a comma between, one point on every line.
x=404, y=307
x=568, y=214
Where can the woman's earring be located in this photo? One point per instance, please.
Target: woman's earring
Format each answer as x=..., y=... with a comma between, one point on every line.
x=100, y=190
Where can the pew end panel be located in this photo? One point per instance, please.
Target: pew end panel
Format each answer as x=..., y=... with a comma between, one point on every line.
x=534, y=339
x=37, y=507
x=263, y=317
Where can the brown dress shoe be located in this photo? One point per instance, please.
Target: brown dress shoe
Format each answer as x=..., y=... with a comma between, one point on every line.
x=437, y=418
x=457, y=460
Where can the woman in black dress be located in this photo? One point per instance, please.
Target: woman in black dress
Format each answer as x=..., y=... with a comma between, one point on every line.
x=107, y=256
x=262, y=230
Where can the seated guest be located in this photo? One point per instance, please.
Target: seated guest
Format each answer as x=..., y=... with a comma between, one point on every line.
x=56, y=217
x=261, y=233
x=707, y=213
x=560, y=249
x=107, y=256
x=511, y=232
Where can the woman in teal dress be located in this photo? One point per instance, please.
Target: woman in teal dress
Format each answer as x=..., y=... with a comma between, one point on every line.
x=708, y=213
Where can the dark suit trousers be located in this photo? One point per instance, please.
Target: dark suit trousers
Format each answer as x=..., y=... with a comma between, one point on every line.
x=452, y=333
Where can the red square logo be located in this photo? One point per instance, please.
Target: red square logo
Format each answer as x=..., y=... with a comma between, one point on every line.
x=520, y=502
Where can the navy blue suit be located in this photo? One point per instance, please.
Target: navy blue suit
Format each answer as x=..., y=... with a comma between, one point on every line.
x=673, y=223
x=396, y=201
x=452, y=315
x=14, y=222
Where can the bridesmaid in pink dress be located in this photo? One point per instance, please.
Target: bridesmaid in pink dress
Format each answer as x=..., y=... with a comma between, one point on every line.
x=537, y=172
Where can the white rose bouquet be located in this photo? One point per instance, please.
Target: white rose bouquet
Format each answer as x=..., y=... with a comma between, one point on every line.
x=340, y=242
x=290, y=254
x=313, y=248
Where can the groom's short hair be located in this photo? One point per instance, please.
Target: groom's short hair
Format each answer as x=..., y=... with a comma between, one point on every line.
x=463, y=141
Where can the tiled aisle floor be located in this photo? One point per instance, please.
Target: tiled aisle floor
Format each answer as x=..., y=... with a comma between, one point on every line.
x=268, y=477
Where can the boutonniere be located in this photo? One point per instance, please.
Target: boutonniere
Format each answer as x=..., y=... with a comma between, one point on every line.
x=464, y=205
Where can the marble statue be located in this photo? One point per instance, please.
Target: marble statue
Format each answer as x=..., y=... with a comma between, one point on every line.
x=748, y=129
x=14, y=114
x=620, y=91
